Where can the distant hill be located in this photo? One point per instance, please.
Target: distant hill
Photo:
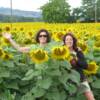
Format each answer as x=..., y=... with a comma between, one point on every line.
x=15, y=12
x=8, y=18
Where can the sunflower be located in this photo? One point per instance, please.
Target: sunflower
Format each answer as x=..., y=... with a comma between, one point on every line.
x=97, y=37
x=5, y=41
x=97, y=43
x=30, y=34
x=1, y=52
x=7, y=28
x=58, y=36
x=39, y=56
x=6, y=56
x=21, y=29
x=0, y=32
x=83, y=46
x=33, y=40
x=60, y=52
x=97, y=49
x=92, y=68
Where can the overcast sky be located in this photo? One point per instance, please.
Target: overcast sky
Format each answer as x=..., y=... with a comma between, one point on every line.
x=32, y=5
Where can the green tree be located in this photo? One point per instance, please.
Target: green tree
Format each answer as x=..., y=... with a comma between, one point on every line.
x=98, y=10
x=56, y=11
x=90, y=9
x=77, y=14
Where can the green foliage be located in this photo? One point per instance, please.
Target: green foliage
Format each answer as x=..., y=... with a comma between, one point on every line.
x=96, y=93
x=91, y=10
x=94, y=55
x=20, y=79
x=56, y=11
x=96, y=84
x=77, y=15
x=7, y=96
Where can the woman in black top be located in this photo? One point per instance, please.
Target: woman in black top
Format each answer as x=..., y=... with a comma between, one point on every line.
x=78, y=63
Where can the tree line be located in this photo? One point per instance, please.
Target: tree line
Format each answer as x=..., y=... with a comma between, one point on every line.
x=59, y=11
x=8, y=18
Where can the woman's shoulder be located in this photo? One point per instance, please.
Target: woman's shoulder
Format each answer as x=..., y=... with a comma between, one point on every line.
x=79, y=50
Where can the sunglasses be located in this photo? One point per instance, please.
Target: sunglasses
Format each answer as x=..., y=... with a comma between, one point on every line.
x=42, y=35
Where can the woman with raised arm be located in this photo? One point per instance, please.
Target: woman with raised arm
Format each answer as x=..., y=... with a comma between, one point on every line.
x=78, y=63
x=42, y=38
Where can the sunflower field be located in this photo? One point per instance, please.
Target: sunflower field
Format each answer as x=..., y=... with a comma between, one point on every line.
x=45, y=73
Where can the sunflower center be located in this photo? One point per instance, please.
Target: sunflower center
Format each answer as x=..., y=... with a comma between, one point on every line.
x=39, y=55
x=1, y=53
x=60, y=35
x=59, y=51
x=6, y=56
x=6, y=40
x=91, y=67
x=83, y=46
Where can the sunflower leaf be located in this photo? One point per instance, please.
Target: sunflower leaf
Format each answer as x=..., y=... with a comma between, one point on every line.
x=66, y=64
x=96, y=84
x=9, y=64
x=74, y=76
x=30, y=76
x=45, y=83
x=38, y=92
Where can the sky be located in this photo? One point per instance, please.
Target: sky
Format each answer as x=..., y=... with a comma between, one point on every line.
x=32, y=5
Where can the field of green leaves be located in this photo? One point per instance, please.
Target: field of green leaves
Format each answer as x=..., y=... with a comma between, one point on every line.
x=27, y=77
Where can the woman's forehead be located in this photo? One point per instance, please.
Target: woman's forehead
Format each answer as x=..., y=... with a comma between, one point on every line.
x=43, y=33
x=68, y=36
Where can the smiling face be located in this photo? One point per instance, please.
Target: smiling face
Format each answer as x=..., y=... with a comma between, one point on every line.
x=69, y=41
x=42, y=38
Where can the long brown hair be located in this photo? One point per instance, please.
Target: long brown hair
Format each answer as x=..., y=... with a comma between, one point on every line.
x=74, y=40
x=47, y=33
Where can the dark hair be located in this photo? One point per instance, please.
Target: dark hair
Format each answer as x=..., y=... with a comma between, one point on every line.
x=74, y=40
x=47, y=33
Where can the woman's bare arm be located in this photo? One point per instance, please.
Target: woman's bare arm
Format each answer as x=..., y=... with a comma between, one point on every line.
x=14, y=44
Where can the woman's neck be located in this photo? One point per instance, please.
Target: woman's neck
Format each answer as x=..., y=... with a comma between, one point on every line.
x=43, y=44
x=71, y=49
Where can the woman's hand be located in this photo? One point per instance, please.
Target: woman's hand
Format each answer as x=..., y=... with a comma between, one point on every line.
x=14, y=44
x=7, y=35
